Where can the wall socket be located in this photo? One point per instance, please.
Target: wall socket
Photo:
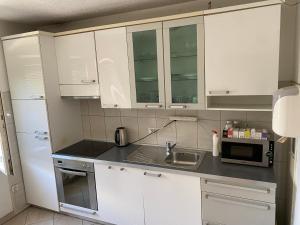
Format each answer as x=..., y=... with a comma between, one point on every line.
x=151, y=130
x=15, y=188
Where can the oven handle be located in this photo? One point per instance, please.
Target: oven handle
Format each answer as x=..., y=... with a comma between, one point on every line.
x=82, y=174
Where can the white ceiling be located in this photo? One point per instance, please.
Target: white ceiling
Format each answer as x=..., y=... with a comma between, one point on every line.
x=58, y=11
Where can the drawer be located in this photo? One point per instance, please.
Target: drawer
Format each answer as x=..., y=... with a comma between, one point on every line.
x=85, y=90
x=253, y=192
x=227, y=210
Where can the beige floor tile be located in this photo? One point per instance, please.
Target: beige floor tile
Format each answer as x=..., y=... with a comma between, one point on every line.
x=20, y=219
x=60, y=219
x=37, y=216
x=48, y=222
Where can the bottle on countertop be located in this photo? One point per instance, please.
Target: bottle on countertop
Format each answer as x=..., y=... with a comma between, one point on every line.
x=228, y=125
x=215, y=138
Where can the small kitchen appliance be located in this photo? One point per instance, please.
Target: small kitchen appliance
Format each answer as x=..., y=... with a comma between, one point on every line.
x=121, y=137
x=247, y=151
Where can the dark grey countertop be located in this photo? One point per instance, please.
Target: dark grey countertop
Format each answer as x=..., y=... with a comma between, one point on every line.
x=210, y=165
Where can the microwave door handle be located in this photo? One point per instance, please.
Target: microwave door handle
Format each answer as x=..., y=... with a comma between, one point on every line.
x=82, y=174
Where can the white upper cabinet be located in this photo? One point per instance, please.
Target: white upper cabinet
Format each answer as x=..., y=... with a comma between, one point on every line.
x=77, y=64
x=113, y=69
x=184, y=63
x=242, y=51
x=171, y=199
x=145, y=51
x=24, y=66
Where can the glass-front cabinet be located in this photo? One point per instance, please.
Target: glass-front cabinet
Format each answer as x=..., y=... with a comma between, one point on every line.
x=184, y=63
x=145, y=51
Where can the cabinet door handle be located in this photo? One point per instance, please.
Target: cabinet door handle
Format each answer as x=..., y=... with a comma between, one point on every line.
x=177, y=106
x=122, y=169
x=88, y=81
x=40, y=132
x=241, y=202
x=220, y=92
x=152, y=174
x=41, y=138
x=265, y=191
x=153, y=106
x=111, y=105
x=109, y=167
x=37, y=97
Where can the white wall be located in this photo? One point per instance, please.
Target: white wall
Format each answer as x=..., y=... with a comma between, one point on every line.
x=144, y=14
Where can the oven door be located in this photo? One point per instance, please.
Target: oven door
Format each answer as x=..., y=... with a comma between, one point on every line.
x=76, y=188
x=245, y=153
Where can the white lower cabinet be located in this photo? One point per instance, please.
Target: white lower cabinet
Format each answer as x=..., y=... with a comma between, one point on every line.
x=128, y=196
x=227, y=210
x=38, y=170
x=171, y=199
x=119, y=195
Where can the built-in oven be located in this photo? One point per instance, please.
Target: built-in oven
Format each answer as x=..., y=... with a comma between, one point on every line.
x=76, y=185
x=247, y=151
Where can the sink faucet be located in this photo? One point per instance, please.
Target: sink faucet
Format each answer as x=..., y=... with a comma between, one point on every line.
x=170, y=147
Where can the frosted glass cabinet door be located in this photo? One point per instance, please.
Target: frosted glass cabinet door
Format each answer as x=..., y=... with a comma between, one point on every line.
x=184, y=63
x=113, y=69
x=76, y=59
x=24, y=68
x=242, y=52
x=145, y=51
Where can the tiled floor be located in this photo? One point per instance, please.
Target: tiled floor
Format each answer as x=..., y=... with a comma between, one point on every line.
x=36, y=216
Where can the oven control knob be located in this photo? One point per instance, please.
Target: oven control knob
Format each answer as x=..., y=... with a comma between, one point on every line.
x=84, y=165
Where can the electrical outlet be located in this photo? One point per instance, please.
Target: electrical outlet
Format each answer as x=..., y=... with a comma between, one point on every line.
x=15, y=188
x=151, y=130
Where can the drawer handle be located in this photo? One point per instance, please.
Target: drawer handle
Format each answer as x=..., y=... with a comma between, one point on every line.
x=265, y=191
x=37, y=97
x=152, y=174
x=40, y=132
x=88, y=81
x=177, y=106
x=153, y=106
x=110, y=105
x=109, y=167
x=122, y=169
x=221, y=92
x=41, y=138
x=238, y=202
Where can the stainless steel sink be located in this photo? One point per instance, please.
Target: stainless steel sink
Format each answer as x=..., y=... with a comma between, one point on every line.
x=183, y=158
x=180, y=158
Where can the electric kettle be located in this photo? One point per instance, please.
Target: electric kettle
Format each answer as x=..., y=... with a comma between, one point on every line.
x=121, y=137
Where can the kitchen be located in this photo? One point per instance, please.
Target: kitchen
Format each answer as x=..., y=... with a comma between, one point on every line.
x=183, y=113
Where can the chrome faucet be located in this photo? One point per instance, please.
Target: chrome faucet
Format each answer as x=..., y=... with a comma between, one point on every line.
x=169, y=148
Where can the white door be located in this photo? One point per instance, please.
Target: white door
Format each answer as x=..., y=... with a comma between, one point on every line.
x=76, y=59
x=31, y=116
x=38, y=170
x=119, y=193
x=184, y=63
x=171, y=199
x=24, y=68
x=5, y=197
x=242, y=51
x=146, y=65
x=113, y=68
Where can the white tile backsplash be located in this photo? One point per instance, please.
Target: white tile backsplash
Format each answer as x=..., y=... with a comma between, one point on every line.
x=205, y=128
x=132, y=127
x=111, y=124
x=86, y=126
x=185, y=134
x=144, y=123
x=98, y=128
